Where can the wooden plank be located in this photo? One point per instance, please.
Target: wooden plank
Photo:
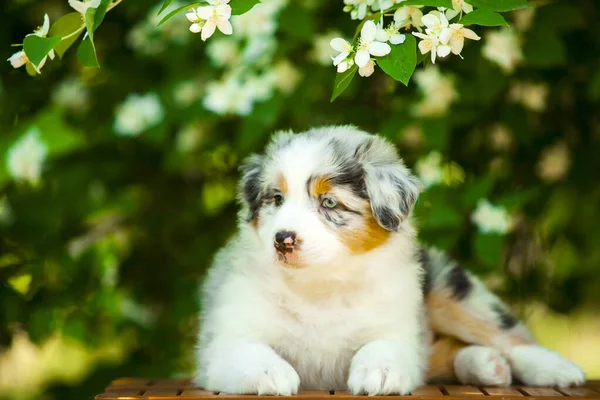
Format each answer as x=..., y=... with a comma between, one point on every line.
x=120, y=394
x=196, y=393
x=462, y=391
x=428, y=391
x=580, y=392
x=502, y=391
x=313, y=393
x=540, y=392
x=161, y=392
x=170, y=383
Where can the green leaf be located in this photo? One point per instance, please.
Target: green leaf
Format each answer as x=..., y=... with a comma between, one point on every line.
x=342, y=81
x=90, y=17
x=488, y=248
x=100, y=13
x=166, y=4
x=500, y=5
x=87, y=53
x=69, y=27
x=36, y=48
x=402, y=60
x=177, y=11
x=430, y=3
x=239, y=7
x=544, y=48
x=484, y=17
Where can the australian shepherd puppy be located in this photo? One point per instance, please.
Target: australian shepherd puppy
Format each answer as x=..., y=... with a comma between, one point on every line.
x=325, y=286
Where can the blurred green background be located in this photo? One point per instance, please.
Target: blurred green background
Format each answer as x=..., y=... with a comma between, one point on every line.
x=127, y=174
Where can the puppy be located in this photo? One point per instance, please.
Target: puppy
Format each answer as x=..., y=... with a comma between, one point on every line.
x=325, y=286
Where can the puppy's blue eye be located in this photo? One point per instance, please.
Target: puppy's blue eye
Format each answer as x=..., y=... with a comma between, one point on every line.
x=329, y=203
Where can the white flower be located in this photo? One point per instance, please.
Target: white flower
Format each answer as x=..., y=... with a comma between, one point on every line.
x=407, y=16
x=368, y=46
x=368, y=69
x=430, y=169
x=531, y=95
x=379, y=5
x=18, y=59
x=345, y=65
x=223, y=51
x=285, y=76
x=554, y=162
x=41, y=32
x=229, y=96
x=71, y=94
x=25, y=158
x=455, y=35
x=82, y=6
x=259, y=22
x=207, y=18
x=259, y=50
x=344, y=48
x=458, y=6
x=391, y=34
x=358, y=8
x=438, y=92
x=503, y=47
x=137, y=114
x=435, y=21
x=261, y=86
x=490, y=218
x=190, y=137
x=322, y=52
x=186, y=92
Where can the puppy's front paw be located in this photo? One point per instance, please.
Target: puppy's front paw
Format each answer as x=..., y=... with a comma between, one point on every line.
x=537, y=366
x=482, y=366
x=380, y=369
x=251, y=369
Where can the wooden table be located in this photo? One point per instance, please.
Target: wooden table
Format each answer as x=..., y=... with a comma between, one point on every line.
x=182, y=389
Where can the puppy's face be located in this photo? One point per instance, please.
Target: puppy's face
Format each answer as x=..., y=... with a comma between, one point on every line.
x=322, y=196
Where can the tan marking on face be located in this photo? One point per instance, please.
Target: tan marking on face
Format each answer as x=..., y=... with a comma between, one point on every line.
x=320, y=186
x=367, y=237
x=283, y=186
x=448, y=316
x=441, y=359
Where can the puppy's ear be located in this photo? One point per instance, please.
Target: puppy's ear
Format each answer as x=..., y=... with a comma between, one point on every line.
x=250, y=188
x=392, y=189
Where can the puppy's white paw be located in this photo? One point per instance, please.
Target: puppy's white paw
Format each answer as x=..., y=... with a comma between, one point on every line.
x=252, y=369
x=537, y=366
x=482, y=366
x=379, y=368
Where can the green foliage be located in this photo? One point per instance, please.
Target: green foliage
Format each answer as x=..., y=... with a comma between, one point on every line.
x=483, y=17
x=431, y=3
x=500, y=5
x=108, y=248
x=239, y=7
x=402, y=60
x=176, y=11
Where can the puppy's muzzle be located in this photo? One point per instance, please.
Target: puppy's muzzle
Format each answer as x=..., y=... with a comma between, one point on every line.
x=285, y=242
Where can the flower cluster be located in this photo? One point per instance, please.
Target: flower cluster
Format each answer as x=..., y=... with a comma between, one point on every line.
x=440, y=37
x=206, y=19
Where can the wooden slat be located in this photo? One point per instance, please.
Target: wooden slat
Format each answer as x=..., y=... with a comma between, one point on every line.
x=580, y=392
x=456, y=390
x=161, y=392
x=540, y=392
x=502, y=391
x=428, y=391
x=196, y=393
x=313, y=393
x=170, y=383
x=120, y=394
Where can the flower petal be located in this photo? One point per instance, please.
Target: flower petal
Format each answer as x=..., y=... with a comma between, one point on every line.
x=339, y=58
x=469, y=34
x=430, y=20
x=78, y=6
x=368, y=31
x=382, y=35
x=45, y=26
x=207, y=30
x=205, y=12
x=420, y=35
x=339, y=44
x=425, y=46
x=361, y=58
x=195, y=28
x=367, y=70
x=466, y=7
x=192, y=17
x=446, y=35
x=225, y=26
x=443, y=50
x=398, y=38
x=379, y=49
x=224, y=10
x=457, y=45
x=451, y=13
x=18, y=59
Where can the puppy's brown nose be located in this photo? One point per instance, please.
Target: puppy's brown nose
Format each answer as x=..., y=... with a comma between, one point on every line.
x=285, y=241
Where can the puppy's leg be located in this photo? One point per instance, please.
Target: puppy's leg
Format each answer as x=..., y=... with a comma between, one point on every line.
x=459, y=305
x=246, y=368
x=384, y=367
x=452, y=360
